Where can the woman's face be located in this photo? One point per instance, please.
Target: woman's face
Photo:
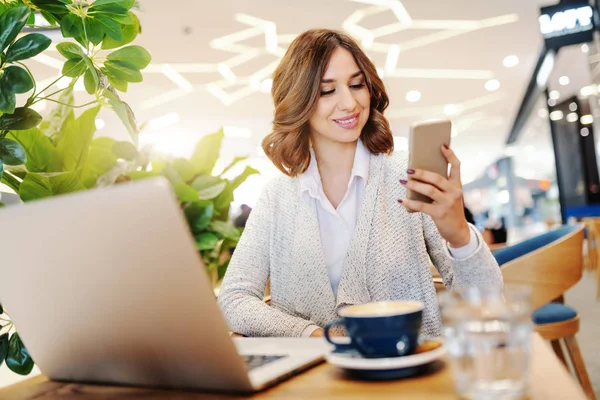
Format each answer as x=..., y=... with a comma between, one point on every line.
x=344, y=104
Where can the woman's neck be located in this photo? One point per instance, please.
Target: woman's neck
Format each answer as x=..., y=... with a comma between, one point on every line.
x=334, y=158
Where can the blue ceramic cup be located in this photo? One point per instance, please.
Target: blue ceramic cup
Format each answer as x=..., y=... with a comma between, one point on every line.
x=380, y=329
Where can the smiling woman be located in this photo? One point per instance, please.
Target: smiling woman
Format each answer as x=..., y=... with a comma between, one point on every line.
x=351, y=77
x=335, y=230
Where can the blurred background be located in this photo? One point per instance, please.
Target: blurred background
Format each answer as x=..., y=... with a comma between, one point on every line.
x=468, y=60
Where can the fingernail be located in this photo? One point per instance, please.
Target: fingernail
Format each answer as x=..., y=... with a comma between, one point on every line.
x=410, y=171
x=403, y=181
x=400, y=201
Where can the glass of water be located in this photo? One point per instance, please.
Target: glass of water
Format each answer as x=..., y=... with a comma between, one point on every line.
x=488, y=334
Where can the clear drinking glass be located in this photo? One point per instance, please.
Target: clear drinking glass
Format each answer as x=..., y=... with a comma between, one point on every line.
x=488, y=334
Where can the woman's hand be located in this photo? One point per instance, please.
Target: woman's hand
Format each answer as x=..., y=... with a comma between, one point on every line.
x=447, y=210
x=320, y=332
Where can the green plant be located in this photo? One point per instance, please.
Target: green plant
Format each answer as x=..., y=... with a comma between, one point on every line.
x=205, y=198
x=95, y=26
x=61, y=156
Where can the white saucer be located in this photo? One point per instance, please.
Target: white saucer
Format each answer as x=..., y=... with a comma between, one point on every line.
x=355, y=361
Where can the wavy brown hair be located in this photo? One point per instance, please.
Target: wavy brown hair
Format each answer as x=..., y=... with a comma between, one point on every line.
x=296, y=90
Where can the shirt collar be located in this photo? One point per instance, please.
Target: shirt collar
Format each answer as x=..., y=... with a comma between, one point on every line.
x=310, y=180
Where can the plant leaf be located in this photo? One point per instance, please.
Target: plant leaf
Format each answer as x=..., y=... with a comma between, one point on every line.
x=111, y=28
x=124, y=71
x=49, y=18
x=8, y=100
x=226, y=229
x=233, y=163
x=11, y=23
x=70, y=50
x=206, y=241
x=212, y=192
x=1, y=312
x=16, y=80
x=31, y=19
x=1, y=173
x=23, y=118
x=95, y=33
x=91, y=80
x=241, y=178
x=205, y=181
x=27, y=47
x=110, y=9
x=223, y=202
x=185, y=193
x=38, y=148
x=37, y=186
x=11, y=152
x=206, y=152
x=18, y=359
x=198, y=215
x=74, y=68
x=222, y=269
x=124, y=112
x=74, y=143
x=135, y=56
x=71, y=26
x=125, y=150
x=129, y=32
x=3, y=347
x=101, y=156
x=184, y=168
x=52, y=6
x=127, y=4
x=117, y=83
x=126, y=19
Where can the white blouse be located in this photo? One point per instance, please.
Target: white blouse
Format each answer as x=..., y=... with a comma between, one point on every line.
x=337, y=225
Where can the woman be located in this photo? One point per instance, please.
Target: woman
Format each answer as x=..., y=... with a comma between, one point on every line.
x=335, y=230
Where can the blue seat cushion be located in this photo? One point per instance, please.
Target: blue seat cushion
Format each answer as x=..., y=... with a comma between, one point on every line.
x=553, y=312
x=510, y=253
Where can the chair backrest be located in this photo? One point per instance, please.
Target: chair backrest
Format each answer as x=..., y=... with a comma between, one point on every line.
x=551, y=263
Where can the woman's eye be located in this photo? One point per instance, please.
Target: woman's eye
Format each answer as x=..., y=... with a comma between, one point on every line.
x=327, y=92
x=359, y=86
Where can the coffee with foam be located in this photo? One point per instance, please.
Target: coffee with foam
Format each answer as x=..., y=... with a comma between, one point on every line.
x=381, y=309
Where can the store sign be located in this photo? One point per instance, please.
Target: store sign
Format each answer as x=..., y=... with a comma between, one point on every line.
x=567, y=24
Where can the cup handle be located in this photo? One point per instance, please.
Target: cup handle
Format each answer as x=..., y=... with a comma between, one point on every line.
x=338, y=346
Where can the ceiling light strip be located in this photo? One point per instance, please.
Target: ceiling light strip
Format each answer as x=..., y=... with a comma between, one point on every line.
x=163, y=98
x=177, y=78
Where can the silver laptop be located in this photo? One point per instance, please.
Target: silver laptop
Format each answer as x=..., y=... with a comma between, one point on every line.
x=106, y=286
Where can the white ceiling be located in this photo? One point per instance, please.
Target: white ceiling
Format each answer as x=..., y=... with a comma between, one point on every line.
x=449, y=51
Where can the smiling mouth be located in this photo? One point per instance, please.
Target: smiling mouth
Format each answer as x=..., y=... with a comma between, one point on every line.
x=348, y=120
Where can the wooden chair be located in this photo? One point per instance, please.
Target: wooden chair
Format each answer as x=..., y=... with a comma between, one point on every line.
x=551, y=264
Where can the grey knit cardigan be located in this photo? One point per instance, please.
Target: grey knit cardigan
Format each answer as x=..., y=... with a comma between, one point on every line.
x=389, y=259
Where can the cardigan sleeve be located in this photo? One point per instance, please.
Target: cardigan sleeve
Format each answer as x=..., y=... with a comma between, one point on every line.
x=479, y=269
x=243, y=288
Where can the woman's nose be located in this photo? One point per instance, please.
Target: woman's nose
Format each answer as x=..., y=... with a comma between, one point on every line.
x=347, y=101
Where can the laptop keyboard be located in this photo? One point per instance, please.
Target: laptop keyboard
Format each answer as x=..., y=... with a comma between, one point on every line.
x=258, y=361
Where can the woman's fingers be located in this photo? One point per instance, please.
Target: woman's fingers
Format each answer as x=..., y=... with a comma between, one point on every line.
x=425, y=189
x=432, y=178
x=415, y=205
x=454, y=164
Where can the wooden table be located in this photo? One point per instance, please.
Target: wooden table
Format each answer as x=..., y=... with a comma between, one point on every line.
x=549, y=380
